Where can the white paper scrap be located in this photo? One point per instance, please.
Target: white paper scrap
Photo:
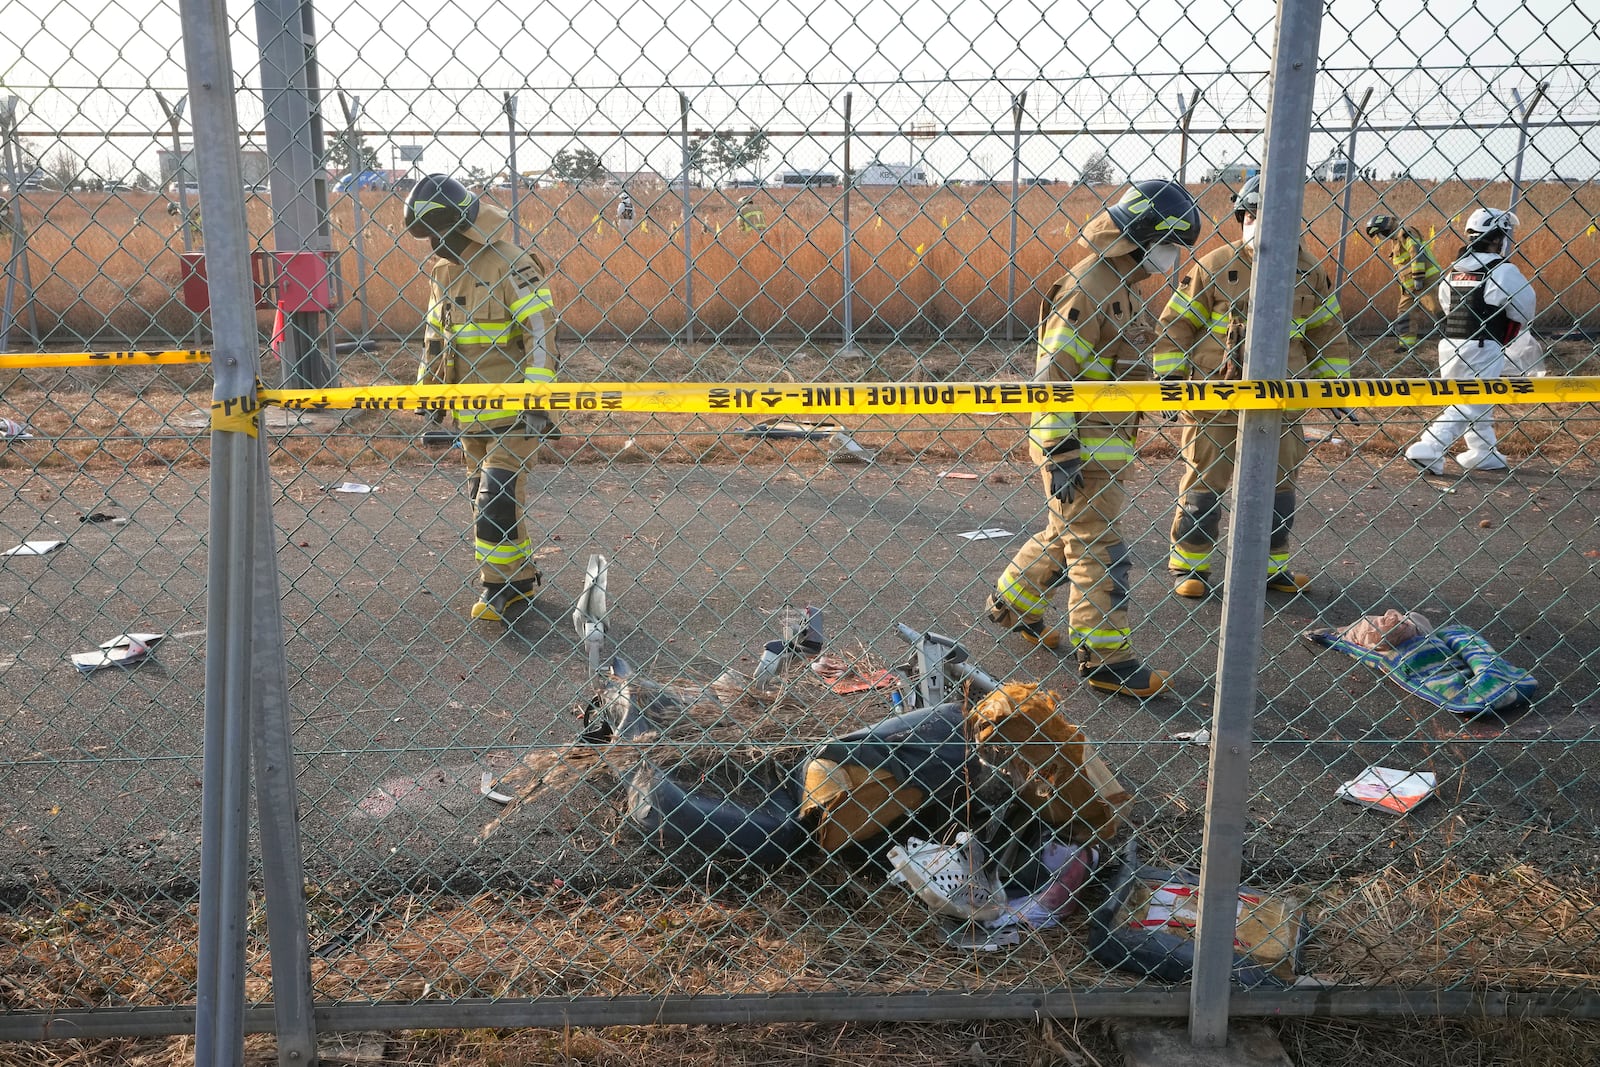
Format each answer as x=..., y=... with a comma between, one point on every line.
x=986, y=534
x=13, y=431
x=33, y=548
x=353, y=487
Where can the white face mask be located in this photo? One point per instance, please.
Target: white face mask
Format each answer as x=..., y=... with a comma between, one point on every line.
x=1161, y=259
x=1249, y=230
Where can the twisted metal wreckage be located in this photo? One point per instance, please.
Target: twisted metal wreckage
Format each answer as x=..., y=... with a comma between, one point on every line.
x=995, y=767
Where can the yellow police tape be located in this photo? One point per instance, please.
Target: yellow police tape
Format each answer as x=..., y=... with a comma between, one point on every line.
x=238, y=414
x=26, y=360
x=941, y=398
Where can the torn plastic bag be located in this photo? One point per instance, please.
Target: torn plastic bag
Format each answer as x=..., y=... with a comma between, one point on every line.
x=864, y=785
x=627, y=707
x=755, y=820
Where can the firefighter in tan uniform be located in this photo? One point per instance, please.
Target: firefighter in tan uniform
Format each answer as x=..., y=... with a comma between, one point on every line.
x=1204, y=333
x=1093, y=329
x=1418, y=273
x=489, y=320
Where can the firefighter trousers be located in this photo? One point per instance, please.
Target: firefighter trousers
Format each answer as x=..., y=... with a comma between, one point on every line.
x=496, y=465
x=1416, y=314
x=1207, y=441
x=1081, y=545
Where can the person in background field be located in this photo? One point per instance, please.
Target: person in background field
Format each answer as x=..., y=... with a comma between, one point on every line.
x=1486, y=302
x=195, y=235
x=624, y=206
x=1205, y=324
x=750, y=217
x=1093, y=329
x=489, y=320
x=1417, y=272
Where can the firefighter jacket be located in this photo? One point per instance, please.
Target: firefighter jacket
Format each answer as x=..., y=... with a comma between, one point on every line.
x=1204, y=322
x=1093, y=328
x=490, y=318
x=1413, y=260
x=1485, y=298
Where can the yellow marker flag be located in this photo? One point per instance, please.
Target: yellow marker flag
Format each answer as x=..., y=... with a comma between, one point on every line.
x=920, y=249
x=644, y=227
x=1433, y=232
x=944, y=223
x=1590, y=231
x=877, y=222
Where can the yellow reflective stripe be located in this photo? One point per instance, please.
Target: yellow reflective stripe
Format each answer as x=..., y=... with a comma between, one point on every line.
x=1025, y=603
x=1330, y=367
x=1095, y=370
x=1326, y=313
x=1110, y=451
x=502, y=553
x=528, y=305
x=1059, y=337
x=1048, y=427
x=1181, y=559
x=484, y=416
x=1168, y=364
x=1102, y=640
x=1220, y=327
x=538, y=374
x=436, y=322
x=1190, y=310
x=1277, y=562
x=485, y=333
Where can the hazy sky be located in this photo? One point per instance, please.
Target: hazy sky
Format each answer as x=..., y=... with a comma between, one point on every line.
x=1110, y=65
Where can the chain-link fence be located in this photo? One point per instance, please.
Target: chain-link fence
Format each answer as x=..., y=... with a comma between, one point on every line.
x=661, y=681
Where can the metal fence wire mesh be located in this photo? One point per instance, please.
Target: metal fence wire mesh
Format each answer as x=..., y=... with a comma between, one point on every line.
x=729, y=704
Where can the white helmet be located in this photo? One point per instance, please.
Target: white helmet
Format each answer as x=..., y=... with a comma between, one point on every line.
x=1491, y=220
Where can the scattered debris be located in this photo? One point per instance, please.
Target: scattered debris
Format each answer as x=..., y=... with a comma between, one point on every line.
x=949, y=879
x=1194, y=737
x=789, y=429
x=33, y=548
x=589, y=617
x=352, y=487
x=985, y=534
x=962, y=476
x=13, y=431
x=486, y=787
x=1387, y=789
x=101, y=516
x=124, y=650
x=847, y=449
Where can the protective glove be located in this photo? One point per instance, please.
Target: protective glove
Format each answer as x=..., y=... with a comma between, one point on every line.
x=1065, y=464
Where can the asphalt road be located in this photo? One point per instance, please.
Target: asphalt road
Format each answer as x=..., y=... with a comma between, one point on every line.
x=400, y=704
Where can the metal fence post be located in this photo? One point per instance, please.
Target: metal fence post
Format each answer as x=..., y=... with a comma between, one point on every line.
x=1356, y=111
x=688, y=217
x=1523, y=111
x=352, y=114
x=286, y=37
x=1186, y=108
x=17, y=260
x=511, y=165
x=1294, y=65
x=849, y=322
x=174, y=113
x=1019, y=102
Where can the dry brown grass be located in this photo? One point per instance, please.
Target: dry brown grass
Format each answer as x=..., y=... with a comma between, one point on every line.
x=925, y=261
x=1512, y=928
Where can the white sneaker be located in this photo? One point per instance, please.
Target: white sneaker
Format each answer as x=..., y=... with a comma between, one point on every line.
x=1488, y=463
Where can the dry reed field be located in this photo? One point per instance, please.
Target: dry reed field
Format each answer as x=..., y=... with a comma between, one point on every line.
x=928, y=262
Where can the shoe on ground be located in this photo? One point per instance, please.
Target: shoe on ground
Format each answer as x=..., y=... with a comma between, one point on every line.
x=1031, y=627
x=1129, y=678
x=503, y=603
x=1434, y=467
x=1287, y=582
x=1191, y=584
x=1490, y=463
